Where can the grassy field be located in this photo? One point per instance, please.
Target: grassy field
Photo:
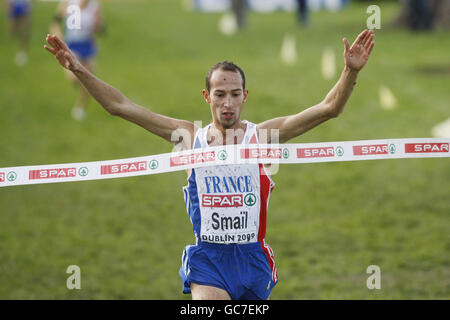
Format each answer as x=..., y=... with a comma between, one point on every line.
x=327, y=222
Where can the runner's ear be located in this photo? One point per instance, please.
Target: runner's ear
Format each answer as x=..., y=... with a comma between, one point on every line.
x=245, y=95
x=206, y=95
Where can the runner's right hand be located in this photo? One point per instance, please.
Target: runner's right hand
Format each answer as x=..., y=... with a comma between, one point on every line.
x=62, y=53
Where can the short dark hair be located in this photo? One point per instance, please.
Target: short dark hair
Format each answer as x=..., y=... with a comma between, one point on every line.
x=226, y=66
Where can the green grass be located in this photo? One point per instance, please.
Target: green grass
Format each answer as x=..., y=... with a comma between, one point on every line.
x=327, y=222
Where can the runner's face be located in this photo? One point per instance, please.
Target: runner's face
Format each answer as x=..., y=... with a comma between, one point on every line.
x=226, y=97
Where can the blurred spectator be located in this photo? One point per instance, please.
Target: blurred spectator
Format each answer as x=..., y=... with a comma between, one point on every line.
x=424, y=14
x=420, y=15
x=81, y=41
x=441, y=14
x=239, y=8
x=19, y=12
x=303, y=12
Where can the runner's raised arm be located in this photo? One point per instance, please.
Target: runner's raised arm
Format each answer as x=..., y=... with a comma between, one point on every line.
x=115, y=102
x=355, y=58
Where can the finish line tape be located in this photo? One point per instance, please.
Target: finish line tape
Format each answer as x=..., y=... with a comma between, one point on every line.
x=230, y=154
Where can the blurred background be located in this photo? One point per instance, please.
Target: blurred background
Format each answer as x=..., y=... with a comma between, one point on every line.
x=327, y=222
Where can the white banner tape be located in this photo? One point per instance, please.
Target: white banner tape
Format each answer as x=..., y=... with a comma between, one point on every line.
x=230, y=154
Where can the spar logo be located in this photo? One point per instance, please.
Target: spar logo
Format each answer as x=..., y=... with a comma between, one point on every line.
x=153, y=164
x=83, y=171
x=261, y=153
x=222, y=200
x=11, y=176
x=124, y=167
x=250, y=199
x=373, y=149
x=2, y=177
x=318, y=152
x=52, y=173
x=426, y=147
x=222, y=155
x=192, y=158
x=339, y=151
x=228, y=200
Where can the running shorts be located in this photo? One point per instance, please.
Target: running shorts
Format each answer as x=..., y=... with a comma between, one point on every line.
x=18, y=10
x=243, y=270
x=84, y=50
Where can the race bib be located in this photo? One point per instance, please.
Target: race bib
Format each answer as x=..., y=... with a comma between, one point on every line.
x=229, y=198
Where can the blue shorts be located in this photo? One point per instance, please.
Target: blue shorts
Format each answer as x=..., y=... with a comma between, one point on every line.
x=243, y=270
x=18, y=10
x=84, y=49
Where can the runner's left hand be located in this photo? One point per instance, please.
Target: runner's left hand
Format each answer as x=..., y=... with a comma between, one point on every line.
x=62, y=53
x=358, y=54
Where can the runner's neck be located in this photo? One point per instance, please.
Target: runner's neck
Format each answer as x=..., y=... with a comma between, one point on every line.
x=218, y=136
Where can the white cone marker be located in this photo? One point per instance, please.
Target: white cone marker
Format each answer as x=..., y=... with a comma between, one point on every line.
x=228, y=24
x=328, y=64
x=442, y=130
x=288, y=50
x=387, y=98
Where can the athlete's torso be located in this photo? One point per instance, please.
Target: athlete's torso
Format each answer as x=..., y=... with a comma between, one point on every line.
x=87, y=22
x=228, y=203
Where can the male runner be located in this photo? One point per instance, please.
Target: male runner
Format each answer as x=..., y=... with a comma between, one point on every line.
x=19, y=12
x=230, y=259
x=81, y=41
